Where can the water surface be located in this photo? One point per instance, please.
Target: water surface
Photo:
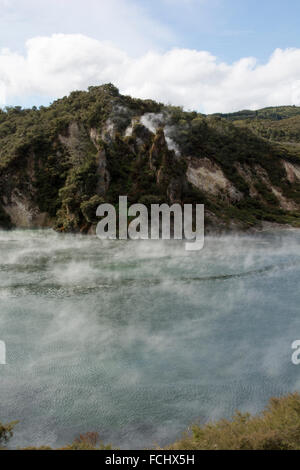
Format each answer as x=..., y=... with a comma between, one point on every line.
x=137, y=340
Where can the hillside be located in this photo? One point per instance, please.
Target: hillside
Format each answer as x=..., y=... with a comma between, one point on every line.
x=58, y=163
x=277, y=124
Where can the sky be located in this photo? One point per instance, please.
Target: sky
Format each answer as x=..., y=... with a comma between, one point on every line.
x=207, y=55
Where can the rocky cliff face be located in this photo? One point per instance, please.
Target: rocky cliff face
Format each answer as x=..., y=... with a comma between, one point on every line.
x=58, y=164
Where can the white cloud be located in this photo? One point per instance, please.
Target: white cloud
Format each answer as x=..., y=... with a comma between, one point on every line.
x=127, y=23
x=55, y=65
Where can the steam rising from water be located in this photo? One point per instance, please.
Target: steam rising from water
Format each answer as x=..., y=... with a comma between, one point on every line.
x=138, y=340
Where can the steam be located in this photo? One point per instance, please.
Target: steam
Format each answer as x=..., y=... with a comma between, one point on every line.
x=109, y=130
x=118, y=118
x=137, y=340
x=129, y=131
x=153, y=121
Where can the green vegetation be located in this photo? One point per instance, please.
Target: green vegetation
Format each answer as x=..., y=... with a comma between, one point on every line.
x=277, y=124
x=63, y=159
x=276, y=428
x=275, y=113
x=88, y=441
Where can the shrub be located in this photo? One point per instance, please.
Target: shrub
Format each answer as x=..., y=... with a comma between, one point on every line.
x=6, y=432
x=276, y=428
x=88, y=441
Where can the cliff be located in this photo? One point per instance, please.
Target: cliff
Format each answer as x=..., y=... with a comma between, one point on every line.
x=58, y=163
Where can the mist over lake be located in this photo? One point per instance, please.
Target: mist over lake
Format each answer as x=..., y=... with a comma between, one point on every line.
x=138, y=340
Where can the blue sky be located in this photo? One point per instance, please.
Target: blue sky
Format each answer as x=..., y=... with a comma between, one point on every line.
x=230, y=31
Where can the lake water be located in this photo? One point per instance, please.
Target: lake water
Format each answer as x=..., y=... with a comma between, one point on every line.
x=137, y=340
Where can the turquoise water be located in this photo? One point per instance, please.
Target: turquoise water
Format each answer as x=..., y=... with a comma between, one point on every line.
x=137, y=340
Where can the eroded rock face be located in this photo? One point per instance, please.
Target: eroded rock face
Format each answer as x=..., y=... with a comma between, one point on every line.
x=257, y=174
x=209, y=178
x=164, y=163
x=95, y=137
x=292, y=171
x=174, y=191
x=19, y=195
x=246, y=173
x=158, y=152
x=283, y=202
x=23, y=213
x=108, y=131
x=103, y=173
